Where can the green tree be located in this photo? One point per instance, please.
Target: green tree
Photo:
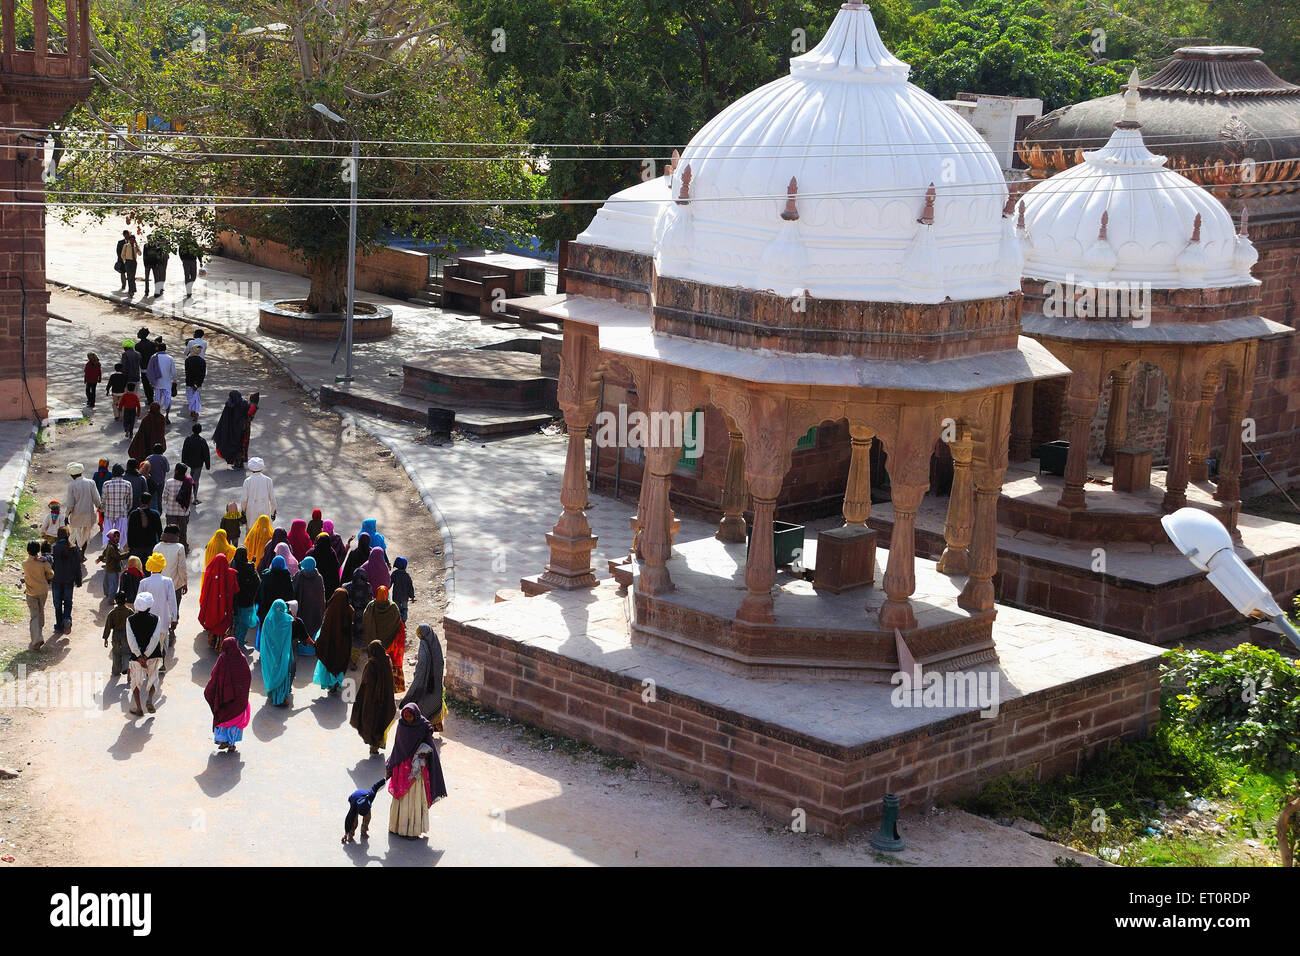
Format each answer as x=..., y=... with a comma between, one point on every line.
x=622, y=73
x=1009, y=48
x=396, y=71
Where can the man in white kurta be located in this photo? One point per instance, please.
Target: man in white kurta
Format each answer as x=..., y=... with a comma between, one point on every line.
x=259, y=493
x=81, y=506
x=162, y=372
x=147, y=646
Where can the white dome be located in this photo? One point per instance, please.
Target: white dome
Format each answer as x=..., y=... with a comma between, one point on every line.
x=863, y=146
x=627, y=219
x=1152, y=217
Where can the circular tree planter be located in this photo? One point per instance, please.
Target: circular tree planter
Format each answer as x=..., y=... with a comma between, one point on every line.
x=287, y=319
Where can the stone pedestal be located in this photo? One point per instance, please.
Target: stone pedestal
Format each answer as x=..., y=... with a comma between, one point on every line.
x=846, y=559
x=1132, y=469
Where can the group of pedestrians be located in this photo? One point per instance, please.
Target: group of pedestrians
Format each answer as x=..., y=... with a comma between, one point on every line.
x=296, y=586
x=153, y=259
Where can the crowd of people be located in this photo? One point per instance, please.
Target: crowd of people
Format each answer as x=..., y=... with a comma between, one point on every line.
x=300, y=591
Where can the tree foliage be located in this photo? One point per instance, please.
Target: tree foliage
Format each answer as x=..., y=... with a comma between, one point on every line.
x=396, y=70
x=1007, y=47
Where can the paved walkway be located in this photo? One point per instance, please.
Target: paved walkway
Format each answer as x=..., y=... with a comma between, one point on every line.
x=497, y=500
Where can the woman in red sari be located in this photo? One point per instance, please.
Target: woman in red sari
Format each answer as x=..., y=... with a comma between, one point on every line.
x=217, y=598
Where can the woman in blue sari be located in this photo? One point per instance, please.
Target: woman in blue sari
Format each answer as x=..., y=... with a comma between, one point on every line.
x=370, y=527
x=277, y=656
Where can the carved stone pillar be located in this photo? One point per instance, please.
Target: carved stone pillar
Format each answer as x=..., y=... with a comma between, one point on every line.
x=1183, y=415
x=1079, y=409
x=653, y=532
x=1239, y=388
x=977, y=595
x=900, y=572
x=908, y=464
x=757, y=607
x=1121, y=384
x=857, y=491
x=571, y=540
x=1022, y=422
x=734, y=494
x=1198, y=468
x=957, y=526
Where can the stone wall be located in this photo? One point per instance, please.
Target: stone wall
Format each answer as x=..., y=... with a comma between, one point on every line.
x=756, y=762
x=22, y=275
x=398, y=273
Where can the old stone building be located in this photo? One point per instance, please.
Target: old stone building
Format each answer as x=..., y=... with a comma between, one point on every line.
x=1225, y=121
x=833, y=253
x=44, y=71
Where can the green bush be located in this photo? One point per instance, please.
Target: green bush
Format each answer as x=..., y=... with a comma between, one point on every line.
x=1244, y=704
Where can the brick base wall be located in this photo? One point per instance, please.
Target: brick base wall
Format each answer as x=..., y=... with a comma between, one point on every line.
x=752, y=761
x=1156, y=615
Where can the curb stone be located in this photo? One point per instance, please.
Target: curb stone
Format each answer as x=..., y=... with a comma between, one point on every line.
x=11, y=508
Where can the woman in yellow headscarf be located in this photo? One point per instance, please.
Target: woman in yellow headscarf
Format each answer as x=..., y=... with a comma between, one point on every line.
x=217, y=544
x=258, y=535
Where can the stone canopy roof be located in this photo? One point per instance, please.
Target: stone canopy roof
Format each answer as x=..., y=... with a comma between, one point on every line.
x=1219, y=114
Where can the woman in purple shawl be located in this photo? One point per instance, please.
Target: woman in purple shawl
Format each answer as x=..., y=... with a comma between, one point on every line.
x=414, y=774
x=377, y=570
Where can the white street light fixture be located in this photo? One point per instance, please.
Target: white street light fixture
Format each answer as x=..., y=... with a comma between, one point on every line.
x=354, y=175
x=1208, y=545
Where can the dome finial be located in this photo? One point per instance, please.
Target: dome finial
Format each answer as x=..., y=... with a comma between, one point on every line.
x=684, y=195
x=791, y=212
x=1196, y=228
x=1244, y=229
x=1105, y=221
x=927, y=214
x=1020, y=216
x=672, y=163
x=1131, y=99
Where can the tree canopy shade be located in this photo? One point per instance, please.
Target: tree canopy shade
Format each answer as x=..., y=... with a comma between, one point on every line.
x=1010, y=48
x=393, y=69
x=623, y=72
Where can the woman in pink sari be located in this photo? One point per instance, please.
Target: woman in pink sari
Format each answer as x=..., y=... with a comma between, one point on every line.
x=414, y=774
x=227, y=696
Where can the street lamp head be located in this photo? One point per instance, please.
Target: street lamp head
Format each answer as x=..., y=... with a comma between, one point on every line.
x=328, y=113
x=1208, y=545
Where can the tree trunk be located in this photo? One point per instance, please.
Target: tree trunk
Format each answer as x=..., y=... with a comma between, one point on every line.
x=329, y=285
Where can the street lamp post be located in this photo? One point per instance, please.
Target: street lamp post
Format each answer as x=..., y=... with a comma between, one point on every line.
x=354, y=175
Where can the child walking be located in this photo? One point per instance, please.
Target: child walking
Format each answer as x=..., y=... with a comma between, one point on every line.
x=359, y=805
x=231, y=522
x=130, y=405
x=114, y=388
x=115, y=630
x=402, y=590
x=111, y=558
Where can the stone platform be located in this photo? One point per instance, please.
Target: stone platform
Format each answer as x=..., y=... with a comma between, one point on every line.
x=1029, y=503
x=1144, y=590
x=566, y=660
x=815, y=634
x=485, y=377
